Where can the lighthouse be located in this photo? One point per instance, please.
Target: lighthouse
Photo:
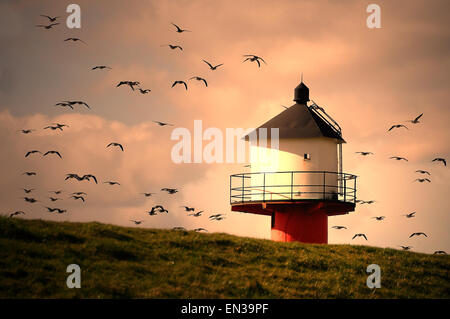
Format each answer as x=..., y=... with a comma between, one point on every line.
x=305, y=184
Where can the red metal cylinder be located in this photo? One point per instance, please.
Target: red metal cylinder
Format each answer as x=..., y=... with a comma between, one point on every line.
x=298, y=224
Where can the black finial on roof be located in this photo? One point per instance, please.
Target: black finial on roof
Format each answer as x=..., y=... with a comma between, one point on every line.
x=301, y=93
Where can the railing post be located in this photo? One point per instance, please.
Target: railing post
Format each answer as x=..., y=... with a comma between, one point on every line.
x=243, y=178
x=323, y=197
x=292, y=185
x=345, y=189
x=264, y=188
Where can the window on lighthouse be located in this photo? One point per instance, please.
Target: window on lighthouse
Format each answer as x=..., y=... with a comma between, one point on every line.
x=307, y=156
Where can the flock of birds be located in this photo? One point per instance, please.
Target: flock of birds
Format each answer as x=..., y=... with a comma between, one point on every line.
x=421, y=180
x=134, y=86
x=158, y=209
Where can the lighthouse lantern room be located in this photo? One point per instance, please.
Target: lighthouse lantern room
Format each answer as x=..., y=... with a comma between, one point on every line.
x=305, y=184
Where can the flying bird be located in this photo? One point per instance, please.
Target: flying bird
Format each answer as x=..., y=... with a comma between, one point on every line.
x=339, y=227
x=198, y=214
x=148, y=194
x=170, y=190
x=82, y=178
x=64, y=104
x=79, y=193
x=111, y=183
x=362, y=202
x=137, y=222
x=397, y=126
x=173, y=47
x=54, y=199
x=158, y=208
x=418, y=234
x=29, y=173
x=115, y=144
x=77, y=102
x=30, y=199
x=28, y=131
x=217, y=217
x=56, y=192
x=32, y=152
x=144, y=91
x=359, y=235
x=58, y=210
x=179, y=30
x=379, y=217
x=77, y=197
x=406, y=247
x=199, y=79
x=179, y=228
x=211, y=66
x=74, y=40
x=439, y=252
x=254, y=58
x=423, y=172
x=47, y=27
x=397, y=158
x=180, y=82
x=27, y=191
x=56, y=126
x=410, y=215
x=188, y=209
x=421, y=180
x=439, y=159
x=131, y=84
x=100, y=67
x=162, y=123
x=416, y=120
x=53, y=152
x=364, y=153
x=19, y=212
x=52, y=19
x=200, y=229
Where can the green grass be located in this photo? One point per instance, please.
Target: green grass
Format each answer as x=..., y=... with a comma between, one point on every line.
x=120, y=262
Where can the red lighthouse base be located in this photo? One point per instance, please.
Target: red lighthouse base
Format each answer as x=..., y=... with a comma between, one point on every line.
x=305, y=221
x=298, y=225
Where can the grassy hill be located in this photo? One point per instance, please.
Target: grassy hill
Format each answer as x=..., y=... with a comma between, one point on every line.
x=121, y=262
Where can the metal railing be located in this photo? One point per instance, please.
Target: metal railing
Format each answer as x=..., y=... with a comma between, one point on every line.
x=292, y=186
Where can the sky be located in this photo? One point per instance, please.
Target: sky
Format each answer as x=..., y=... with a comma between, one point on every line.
x=366, y=79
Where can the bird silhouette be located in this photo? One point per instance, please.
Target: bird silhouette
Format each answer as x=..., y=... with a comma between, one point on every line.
x=29, y=173
x=30, y=199
x=440, y=159
x=77, y=102
x=74, y=40
x=179, y=228
x=56, y=126
x=197, y=214
x=200, y=229
x=170, y=190
x=211, y=66
x=410, y=215
x=56, y=192
x=362, y=202
x=421, y=180
x=423, y=172
x=439, y=252
x=137, y=222
x=418, y=234
x=77, y=197
x=79, y=193
x=254, y=58
x=54, y=199
x=16, y=213
x=115, y=144
x=53, y=152
x=188, y=209
x=32, y=152
x=397, y=126
x=416, y=120
x=131, y=84
x=58, y=210
x=364, y=153
x=64, y=104
x=26, y=131
x=379, y=217
x=406, y=247
x=142, y=91
x=339, y=227
x=180, y=82
x=82, y=178
x=101, y=67
x=359, y=235
x=47, y=27
x=179, y=30
x=173, y=47
x=111, y=183
x=397, y=158
x=52, y=19
x=217, y=217
x=158, y=208
x=27, y=191
x=162, y=123
x=199, y=79
x=148, y=194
